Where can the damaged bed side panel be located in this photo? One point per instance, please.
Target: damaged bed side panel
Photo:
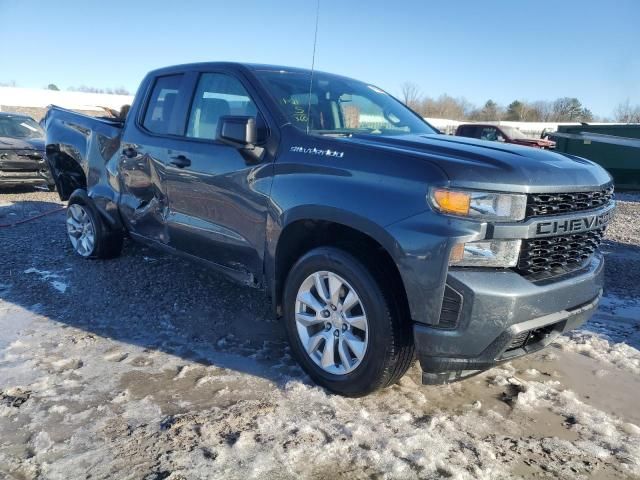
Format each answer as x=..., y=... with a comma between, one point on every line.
x=124, y=180
x=81, y=152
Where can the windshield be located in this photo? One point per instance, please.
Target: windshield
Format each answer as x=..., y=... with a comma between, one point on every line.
x=20, y=127
x=339, y=106
x=514, y=133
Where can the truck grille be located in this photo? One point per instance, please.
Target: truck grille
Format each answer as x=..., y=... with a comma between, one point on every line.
x=552, y=256
x=11, y=154
x=539, y=204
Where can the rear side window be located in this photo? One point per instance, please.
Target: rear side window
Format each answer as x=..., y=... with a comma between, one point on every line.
x=162, y=103
x=217, y=95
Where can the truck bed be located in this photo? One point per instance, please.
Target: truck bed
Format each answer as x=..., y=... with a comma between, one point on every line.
x=76, y=144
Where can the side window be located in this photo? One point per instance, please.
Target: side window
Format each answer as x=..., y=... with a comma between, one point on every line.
x=489, y=133
x=217, y=95
x=474, y=132
x=161, y=106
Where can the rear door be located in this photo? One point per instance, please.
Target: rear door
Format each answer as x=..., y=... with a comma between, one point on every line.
x=145, y=153
x=218, y=194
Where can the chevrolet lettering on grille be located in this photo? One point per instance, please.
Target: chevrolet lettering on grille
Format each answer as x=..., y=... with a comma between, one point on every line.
x=574, y=225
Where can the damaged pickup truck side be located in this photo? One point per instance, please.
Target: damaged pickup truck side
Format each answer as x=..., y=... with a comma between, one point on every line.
x=377, y=238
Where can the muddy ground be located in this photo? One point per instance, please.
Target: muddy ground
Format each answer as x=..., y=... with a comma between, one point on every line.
x=148, y=367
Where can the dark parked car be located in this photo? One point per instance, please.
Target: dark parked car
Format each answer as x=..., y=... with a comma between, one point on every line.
x=502, y=133
x=22, y=160
x=375, y=237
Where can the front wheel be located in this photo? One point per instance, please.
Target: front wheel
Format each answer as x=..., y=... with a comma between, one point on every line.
x=87, y=232
x=344, y=329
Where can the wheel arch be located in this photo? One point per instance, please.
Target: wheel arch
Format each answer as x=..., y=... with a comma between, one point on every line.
x=66, y=170
x=308, y=228
x=103, y=204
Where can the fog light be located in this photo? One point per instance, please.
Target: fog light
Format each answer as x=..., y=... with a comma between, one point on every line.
x=486, y=253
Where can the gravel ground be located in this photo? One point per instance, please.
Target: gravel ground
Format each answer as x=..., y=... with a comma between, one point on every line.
x=148, y=367
x=621, y=247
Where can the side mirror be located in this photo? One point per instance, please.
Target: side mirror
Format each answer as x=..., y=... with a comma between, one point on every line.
x=239, y=131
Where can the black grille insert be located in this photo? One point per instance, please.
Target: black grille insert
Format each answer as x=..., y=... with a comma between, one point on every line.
x=558, y=203
x=530, y=337
x=558, y=255
x=451, y=306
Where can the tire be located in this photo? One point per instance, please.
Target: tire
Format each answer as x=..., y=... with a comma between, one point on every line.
x=88, y=234
x=386, y=335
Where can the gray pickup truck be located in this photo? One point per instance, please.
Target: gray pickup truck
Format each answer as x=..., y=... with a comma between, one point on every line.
x=377, y=238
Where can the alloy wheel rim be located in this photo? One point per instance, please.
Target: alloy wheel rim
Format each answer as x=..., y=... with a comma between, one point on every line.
x=331, y=323
x=80, y=230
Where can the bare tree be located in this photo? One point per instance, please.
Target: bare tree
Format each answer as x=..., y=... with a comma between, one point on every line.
x=445, y=106
x=520, y=111
x=627, y=113
x=411, y=95
x=541, y=111
x=490, y=111
x=568, y=109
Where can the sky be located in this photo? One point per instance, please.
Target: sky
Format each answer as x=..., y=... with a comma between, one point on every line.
x=502, y=50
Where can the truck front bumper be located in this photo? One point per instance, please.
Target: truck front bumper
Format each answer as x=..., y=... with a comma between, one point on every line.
x=502, y=316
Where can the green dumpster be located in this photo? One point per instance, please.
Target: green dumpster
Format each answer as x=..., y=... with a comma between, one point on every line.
x=615, y=147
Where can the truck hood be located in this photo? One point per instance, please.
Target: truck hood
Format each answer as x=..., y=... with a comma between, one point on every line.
x=486, y=165
x=10, y=143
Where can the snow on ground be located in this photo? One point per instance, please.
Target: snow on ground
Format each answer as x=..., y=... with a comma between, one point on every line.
x=80, y=403
x=35, y=97
x=53, y=278
x=612, y=336
x=110, y=387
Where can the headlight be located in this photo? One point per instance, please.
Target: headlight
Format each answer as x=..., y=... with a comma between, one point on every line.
x=485, y=206
x=486, y=253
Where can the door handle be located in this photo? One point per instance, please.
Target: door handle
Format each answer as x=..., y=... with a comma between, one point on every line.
x=180, y=161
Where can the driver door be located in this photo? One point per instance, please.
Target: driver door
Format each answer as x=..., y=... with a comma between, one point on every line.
x=218, y=196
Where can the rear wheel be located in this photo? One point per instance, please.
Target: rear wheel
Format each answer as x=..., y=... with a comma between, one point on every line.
x=87, y=232
x=345, y=330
